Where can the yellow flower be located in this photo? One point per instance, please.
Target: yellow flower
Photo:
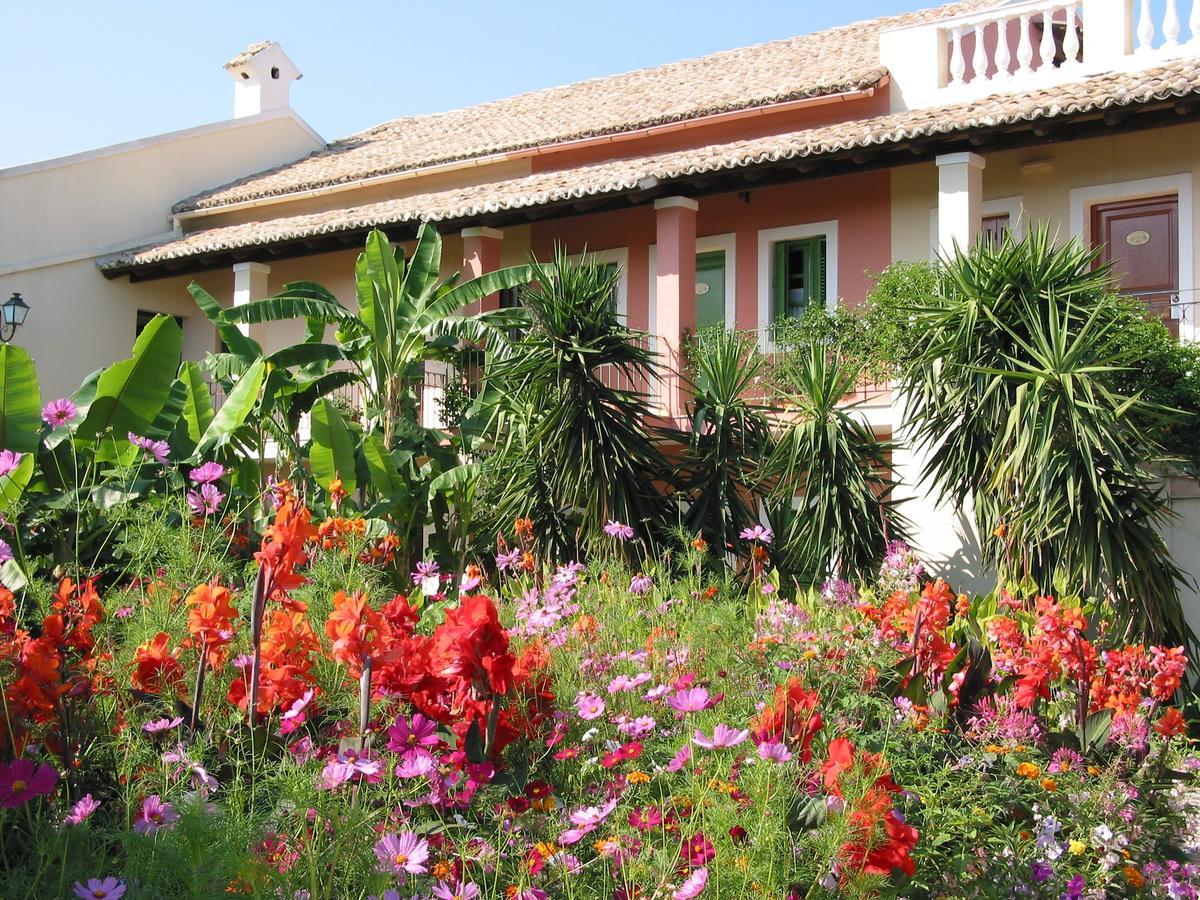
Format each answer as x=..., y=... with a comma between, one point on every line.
x=1029, y=770
x=637, y=778
x=810, y=654
x=1075, y=847
x=545, y=849
x=996, y=748
x=741, y=863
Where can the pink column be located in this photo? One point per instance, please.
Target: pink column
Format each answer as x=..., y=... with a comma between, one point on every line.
x=675, y=313
x=481, y=253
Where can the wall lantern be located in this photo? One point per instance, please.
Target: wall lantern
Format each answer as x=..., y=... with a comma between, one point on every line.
x=12, y=316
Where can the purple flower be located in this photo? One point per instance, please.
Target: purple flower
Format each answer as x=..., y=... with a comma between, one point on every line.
x=775, y=751
x=618, y=530
x=722, y=737
x=58, y=413
x=405, y=737
x=154, y=816
x=205, y=501
x=757, y=533
x=9, y=462
x=22, y=780
x=207, y=473
x=5, y=552
x=82, y=809
x=689, y=700
x=1042, y=871
x=640, y=584
x=1075, y=888
x=96, y=889
x=510, y=560
x=347, y=765
x=427, y=578
x=403, y=854
x=156, y=449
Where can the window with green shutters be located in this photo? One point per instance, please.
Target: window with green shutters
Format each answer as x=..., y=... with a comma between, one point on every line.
x=798, y=275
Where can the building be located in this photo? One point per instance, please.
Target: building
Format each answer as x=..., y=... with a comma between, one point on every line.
x=735, y=187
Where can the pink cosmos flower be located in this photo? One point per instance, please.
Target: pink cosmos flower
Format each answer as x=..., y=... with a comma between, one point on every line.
x=123, y=612
x=775, y=751
x=681, y=759
x=22, y=780
x=640, y=584
x=403, y=854
x=205, y=501
x=689, y=700
x=5, y=552
x=154, y=816
x=416, y=764
x=697, y=851
x=162, y=725
x=586, y=819
x=459, y=891
x=9, y=462
x=96, y=889
x=589, y=706
x=82, y=809
x=156, y=449
x=722, y=737
x=295, y=715
x=510, y=560
x=618, y=530
x=693, y=886
x=58, y=413
x=207, y=473
x=531, y=893
x=347, y=765
x=757, y=533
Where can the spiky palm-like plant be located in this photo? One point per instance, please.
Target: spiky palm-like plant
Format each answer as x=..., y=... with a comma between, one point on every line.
x=574, y=450
x=827, y=459
x=1012, y=387
x=729, y=436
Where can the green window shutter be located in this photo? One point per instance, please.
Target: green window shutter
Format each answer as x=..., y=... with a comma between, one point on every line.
x=817, y=267
x=779, y=279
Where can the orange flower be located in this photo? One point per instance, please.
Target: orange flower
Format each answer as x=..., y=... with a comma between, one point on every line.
x=337, y=492
x=283, y=547
x=210, y=620
x=523, y=528
x=1029, y=770
x=156, y=668
x=1171, y=724
x=355, y=629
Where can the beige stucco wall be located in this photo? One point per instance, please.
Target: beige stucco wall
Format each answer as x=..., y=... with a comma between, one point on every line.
x=57, y=216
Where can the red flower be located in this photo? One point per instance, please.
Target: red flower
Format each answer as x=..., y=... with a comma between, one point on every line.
x=357, y=631
x=791, y=718
x=1171, y=724
x=156, y=668
x=210, y=620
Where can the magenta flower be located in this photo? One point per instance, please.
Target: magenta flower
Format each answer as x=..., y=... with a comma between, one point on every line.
x=406, y=736
x=205, y=501
x=640, y=584
x=156, y=449
x=586, y=819
x=155, y=816
x=589, y=706
x=9, y=462
x=692, y=886
x=96, y=889
x=467, y=890
x=295, y=715
x=58, y=413
x=722, y=737
x=22, y=780
x=5, y=552
x=689, y=700
x=347, y=765
x=757, y=533
x=207, y=473
x=618, y=530
x=680, y=759
x=510, y=560
x=403, y=854
x=82, y=809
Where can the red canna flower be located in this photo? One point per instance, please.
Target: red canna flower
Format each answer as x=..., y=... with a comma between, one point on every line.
x=791, y=718
x=1171, y=724
x=210, y=621
x=156, y=668
x=357, y=631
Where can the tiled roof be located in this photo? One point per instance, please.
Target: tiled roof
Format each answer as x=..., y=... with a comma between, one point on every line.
x=248, y=54
x=1176, y=79
x=839, y=59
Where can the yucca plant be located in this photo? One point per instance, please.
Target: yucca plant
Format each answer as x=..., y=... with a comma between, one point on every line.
x=1011, y=385
x=573, y=450
x=729, y=436
x=827, y=474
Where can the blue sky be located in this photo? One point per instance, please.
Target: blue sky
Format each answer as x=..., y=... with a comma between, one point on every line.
x=78, y=75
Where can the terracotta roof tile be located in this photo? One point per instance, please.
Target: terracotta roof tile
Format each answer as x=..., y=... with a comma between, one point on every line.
x=1176, y=79
x=839, y=59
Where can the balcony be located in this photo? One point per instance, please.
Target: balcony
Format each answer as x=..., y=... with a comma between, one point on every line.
x=1031, y=45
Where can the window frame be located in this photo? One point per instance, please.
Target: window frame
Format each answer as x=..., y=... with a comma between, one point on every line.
x=727, y=242
x=767, y=239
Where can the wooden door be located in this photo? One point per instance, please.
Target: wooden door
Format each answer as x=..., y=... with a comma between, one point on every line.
x=1141, y=239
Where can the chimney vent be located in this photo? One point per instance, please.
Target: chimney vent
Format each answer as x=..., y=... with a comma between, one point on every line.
x=262, y=76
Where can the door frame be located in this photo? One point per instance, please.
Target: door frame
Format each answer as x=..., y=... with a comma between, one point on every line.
x=1084, y=198
x=706, y=244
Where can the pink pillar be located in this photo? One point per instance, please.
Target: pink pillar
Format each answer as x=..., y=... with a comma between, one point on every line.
x=675, y=313
x=481, y=253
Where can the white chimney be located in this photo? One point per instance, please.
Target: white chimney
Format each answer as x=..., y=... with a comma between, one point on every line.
x=262, y=75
